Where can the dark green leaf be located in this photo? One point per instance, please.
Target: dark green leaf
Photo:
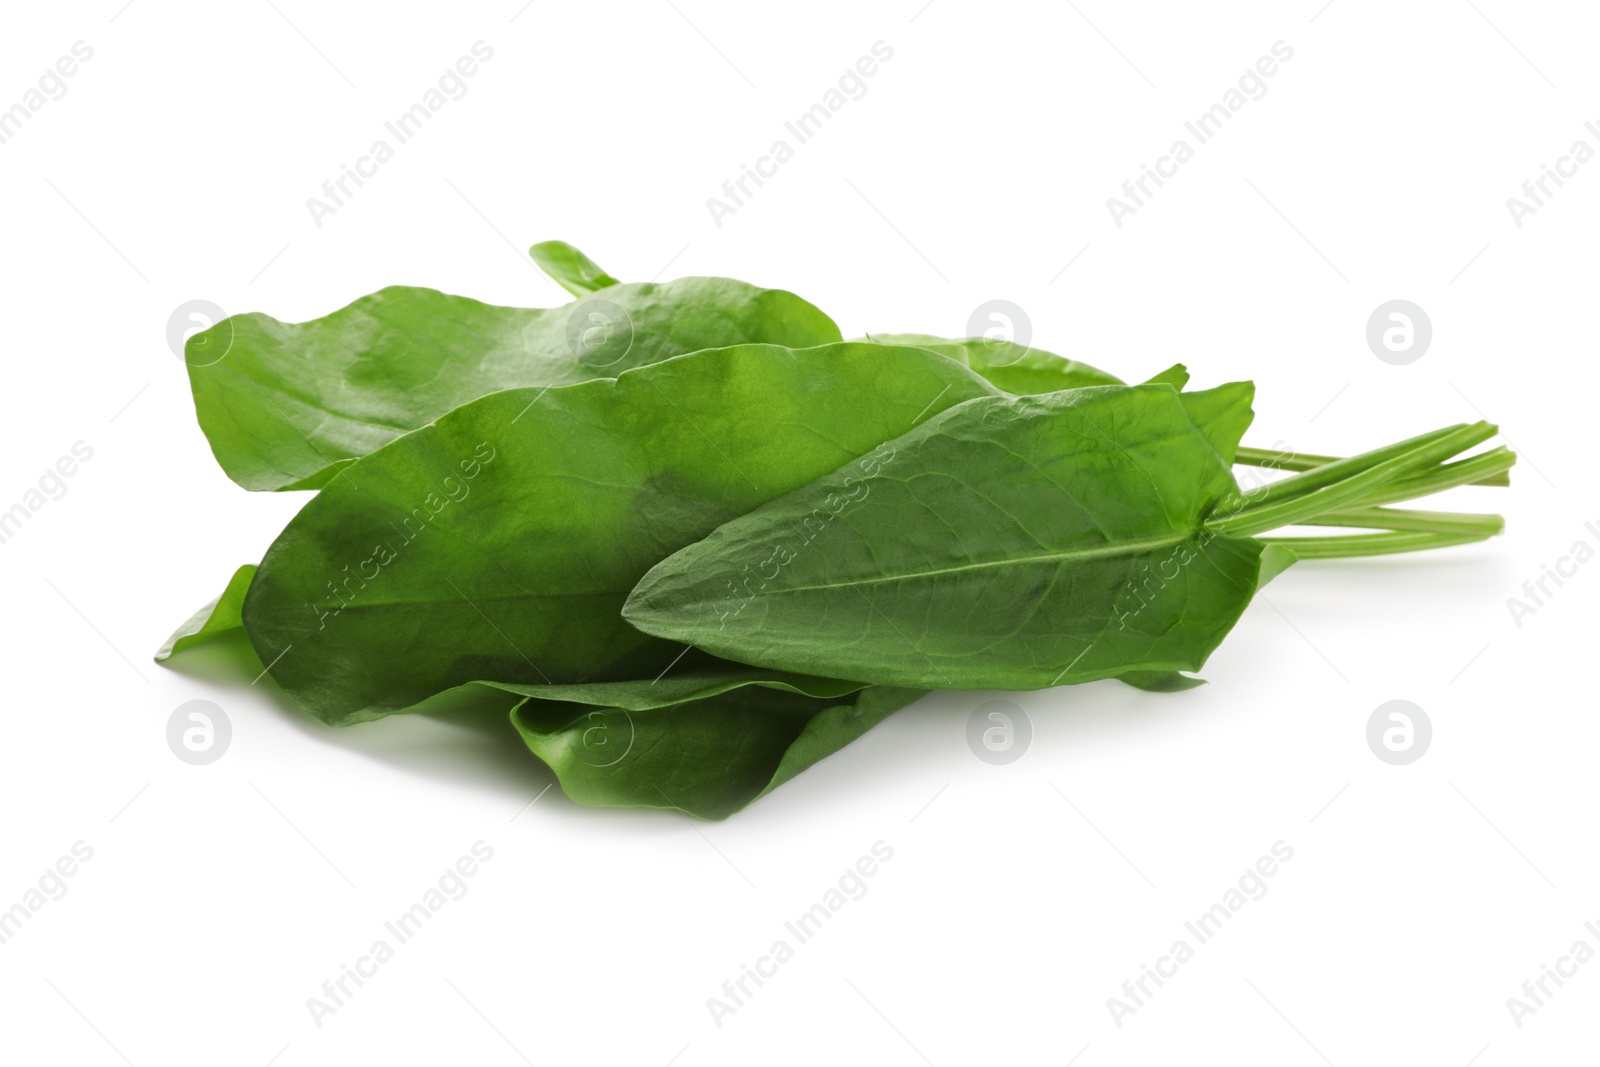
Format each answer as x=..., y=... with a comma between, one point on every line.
x=1010, y=543
x=1026, y=371
x=710, y=735
x=500, y=541
x=1160, y=681
x=707, y=752
x=695, y=677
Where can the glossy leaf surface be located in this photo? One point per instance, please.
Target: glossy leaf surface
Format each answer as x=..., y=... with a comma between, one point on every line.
x=215, y=619
x=570, y=268
x=1011, y=367
x=706, y=751
x=501, y=541
x=1010, y=543
x=285, y=405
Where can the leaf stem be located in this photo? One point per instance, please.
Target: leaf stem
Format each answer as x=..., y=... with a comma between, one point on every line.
x=1305, y=461
x=1378, y=544
x=1420, y=521
x=1282, y=461
x=1340, y=469
x=1351, y=489
x=1496, y=461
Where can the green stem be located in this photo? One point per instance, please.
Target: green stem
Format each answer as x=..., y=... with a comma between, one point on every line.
x=1378, y=544
x=1282, y=461
x=1345, y=493
x=1447, y=476
x=1340, y=469
x=1305, y=461
x=1449, y=522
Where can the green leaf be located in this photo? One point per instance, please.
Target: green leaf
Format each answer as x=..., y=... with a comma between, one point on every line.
x=1010, y=543
x=216, y=618
x=1274, y=561
x=1223, y=415
x=1028, y=371
x=709, y=747
x=286, y=405
x=1010, y=367
x=710, y=735
x=570, y=268
x=1160, y=681
x=694, y=677
x=1176, y=376
x=501, y=541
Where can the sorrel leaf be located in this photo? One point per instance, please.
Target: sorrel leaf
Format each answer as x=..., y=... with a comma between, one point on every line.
x=570, y=268
x=706, y=738
x=1011, y=367
x=1009, y=543
x=1223, y=414
x=215, y=619
x=285, y=405
x=500, y=542
x=707, y=752
x=822, y=532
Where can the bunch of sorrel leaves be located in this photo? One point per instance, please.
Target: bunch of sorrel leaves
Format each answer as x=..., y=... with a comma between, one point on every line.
x=694, y=541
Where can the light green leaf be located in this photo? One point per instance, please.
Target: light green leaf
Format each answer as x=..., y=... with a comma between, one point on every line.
x=1276, y=559
x=1223, y=415
x=286, y=405
x=1011, y=367
x=216, y=618
x=1176, y=376
x=570, y=268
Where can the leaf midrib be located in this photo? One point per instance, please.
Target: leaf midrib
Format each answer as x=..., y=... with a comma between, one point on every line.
x=491, y=598
x=1097, y=552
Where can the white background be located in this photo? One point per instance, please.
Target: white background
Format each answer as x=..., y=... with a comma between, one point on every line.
x=1377, y=166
